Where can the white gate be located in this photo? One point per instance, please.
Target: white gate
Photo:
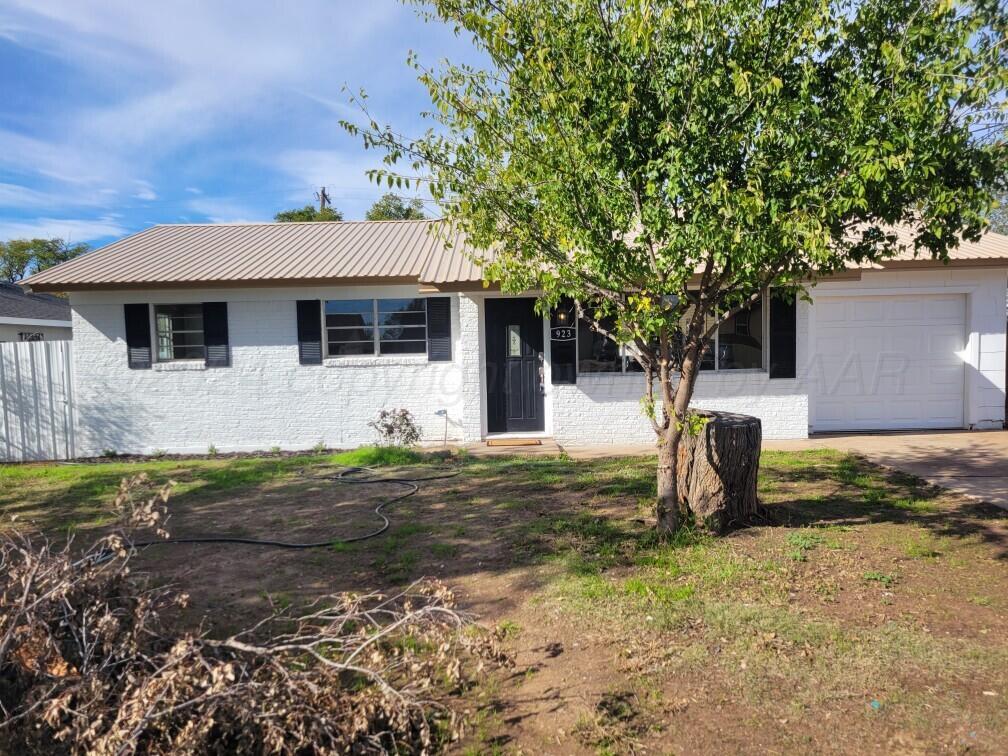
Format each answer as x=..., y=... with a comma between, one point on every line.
x=36, y=401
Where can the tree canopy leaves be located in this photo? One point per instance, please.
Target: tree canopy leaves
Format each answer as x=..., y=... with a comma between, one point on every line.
x=667, y=162
x=20, y=258
x=612, y=151
x=308, y=213
x=393, y=207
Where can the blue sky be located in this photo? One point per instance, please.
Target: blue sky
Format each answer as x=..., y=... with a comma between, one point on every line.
x=118, y=114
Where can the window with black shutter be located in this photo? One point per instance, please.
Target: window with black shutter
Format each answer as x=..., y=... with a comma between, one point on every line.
x=138, y=336
x=783, y=337
x=215, y=334
x=439, y=347
x=309, y=331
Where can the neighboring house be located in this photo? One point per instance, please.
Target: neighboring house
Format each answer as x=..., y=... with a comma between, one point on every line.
x=32, y=317
x=254, y=335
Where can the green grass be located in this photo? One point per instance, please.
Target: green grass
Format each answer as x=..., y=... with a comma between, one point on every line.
x=64, y=496
x=802, y=542
x=378, y=456
x=917, y=506
x=745, y=610
x=884, y=578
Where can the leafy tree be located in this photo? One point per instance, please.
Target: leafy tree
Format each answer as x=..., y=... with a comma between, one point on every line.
x=308, y=213
x=665, y=163
x=999, y=216
x=394, y=207
x=20, y=258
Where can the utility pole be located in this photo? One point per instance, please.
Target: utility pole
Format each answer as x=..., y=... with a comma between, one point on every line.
x=323, y=199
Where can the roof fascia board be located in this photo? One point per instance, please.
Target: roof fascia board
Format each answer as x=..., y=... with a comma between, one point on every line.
x=36, y=322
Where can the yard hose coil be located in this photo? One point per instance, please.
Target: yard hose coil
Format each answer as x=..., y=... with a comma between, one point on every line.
x=346, y=476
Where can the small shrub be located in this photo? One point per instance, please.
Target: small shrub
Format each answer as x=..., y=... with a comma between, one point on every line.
x=212, y=450
x=319, y=448
x=274, y=449
x=109, y=453
x=159, y=453
x=396, y=427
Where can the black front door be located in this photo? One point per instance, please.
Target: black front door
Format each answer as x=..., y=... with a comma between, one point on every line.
x=514, y=343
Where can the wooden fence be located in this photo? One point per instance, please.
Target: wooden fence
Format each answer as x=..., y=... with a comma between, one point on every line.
x=36, y=400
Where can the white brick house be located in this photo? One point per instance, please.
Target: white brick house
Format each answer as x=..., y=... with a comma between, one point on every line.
x=259, y=335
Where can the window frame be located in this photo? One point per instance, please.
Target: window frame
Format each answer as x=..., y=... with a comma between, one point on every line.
x=376, y=330
x=155, y=344
x=625, y=357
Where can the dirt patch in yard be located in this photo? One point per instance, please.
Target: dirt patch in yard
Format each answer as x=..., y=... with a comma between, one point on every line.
x=867, y=614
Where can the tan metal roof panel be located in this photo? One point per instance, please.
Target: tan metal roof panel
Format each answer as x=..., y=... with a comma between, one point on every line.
x=261, y=252
x=426, y=252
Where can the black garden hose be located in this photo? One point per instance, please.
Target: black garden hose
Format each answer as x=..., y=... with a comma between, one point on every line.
x=344, y=476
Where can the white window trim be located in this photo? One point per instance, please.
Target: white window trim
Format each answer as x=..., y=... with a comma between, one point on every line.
x=765, y=352
x=377, y=354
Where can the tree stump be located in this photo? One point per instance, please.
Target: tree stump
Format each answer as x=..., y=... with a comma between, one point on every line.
x=717, y=471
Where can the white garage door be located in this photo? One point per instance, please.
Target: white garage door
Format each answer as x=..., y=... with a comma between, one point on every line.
x=887, y=362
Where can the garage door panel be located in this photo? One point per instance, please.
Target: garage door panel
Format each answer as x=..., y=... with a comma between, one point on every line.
x=898, y=369
x=870, y=312
x=949, y=308
x=944, y=344
x=866, y=344
x=903, y=309
x=832, y=312
x=949, y=378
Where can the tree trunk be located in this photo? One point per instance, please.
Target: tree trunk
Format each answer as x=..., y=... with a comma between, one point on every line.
x=717, y=470
x=667, y=509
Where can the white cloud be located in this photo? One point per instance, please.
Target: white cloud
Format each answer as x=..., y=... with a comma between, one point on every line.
x=224, y=210
x=145, y=191
x=16, y=196
x=69, y=229
x=202, y=88
x=176, y=72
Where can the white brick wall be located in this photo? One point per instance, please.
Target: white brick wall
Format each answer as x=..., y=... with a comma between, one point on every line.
x=265, y=398
x=607, y=410
x=473, y=383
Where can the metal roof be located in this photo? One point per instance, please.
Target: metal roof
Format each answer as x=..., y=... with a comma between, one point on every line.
x=429, y=253
x=991, y=247
x=275, y=253
x=15, y=303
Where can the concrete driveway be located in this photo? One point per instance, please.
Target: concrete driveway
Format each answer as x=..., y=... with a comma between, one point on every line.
x=974, y=463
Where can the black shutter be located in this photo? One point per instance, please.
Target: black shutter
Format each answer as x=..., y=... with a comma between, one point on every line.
x=439, y=329
x=783, y=337
x=138, y=339
x=563, y=343
x=215, y=334
x=309, y=331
